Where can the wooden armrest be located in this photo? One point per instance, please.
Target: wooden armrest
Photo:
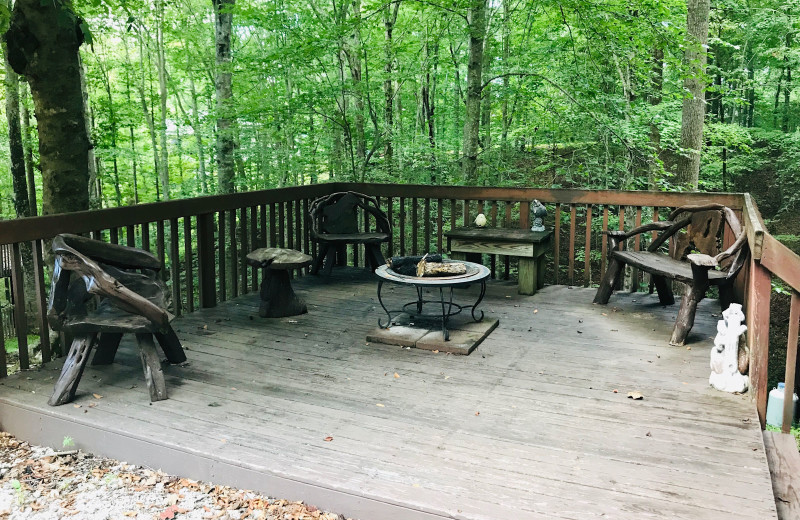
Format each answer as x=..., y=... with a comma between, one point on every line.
x=112, y=254
x=103, y=284
x=701, y=260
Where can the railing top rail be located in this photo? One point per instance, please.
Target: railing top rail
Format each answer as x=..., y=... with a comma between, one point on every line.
x=564, y=196
x=47, y=226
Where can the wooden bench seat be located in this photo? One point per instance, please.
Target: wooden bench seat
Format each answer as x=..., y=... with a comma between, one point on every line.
x=692, y=228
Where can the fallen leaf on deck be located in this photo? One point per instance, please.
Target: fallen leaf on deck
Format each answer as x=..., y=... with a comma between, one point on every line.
x=637, y=395
x=92, y=405
x=615, y=391
x=328, y=439
x=380, y=405
x=76, y=406
x=536, y=311
x=396, y=375
x=97, y=396
x=477, y=413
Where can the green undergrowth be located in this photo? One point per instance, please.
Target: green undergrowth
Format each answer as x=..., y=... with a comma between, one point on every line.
x=12, y=344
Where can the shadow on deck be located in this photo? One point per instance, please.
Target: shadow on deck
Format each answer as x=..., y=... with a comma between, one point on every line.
x=527, y=426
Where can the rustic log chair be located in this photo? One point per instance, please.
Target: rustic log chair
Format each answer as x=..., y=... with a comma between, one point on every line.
x=130, y=299
x=334, y=224
x=700, y=229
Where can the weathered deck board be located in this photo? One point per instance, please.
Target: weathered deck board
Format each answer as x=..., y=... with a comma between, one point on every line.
x=527, y=426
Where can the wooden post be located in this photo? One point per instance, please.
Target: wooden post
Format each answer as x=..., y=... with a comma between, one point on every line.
x=20, y=320
x=791, y=363
x=758, y=334
x=174, y=266
x=205, y=260
x=41, y=303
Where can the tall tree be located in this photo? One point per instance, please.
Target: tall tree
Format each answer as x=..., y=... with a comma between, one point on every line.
x=161, y=62
x=224, y=85
x=694, y=104
x=16, y=151
x=43, y=41
x=472, y=117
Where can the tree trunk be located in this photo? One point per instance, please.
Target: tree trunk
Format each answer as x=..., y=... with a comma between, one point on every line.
x=389, y=19
x=506, y=79
x=225, y=131
x=486, y=101
x=130, y=125
x=201, y=160
x=353, y=52
x=43, y=42
x=656, y=85
x=477, y=30
x=688, y=167
x=162, y=91
x=112, y=122
x=148, y=115
x=16, y=151
x=27, y=145
x=787, y=88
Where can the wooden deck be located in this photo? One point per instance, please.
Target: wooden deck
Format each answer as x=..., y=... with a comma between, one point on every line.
x=526, y=427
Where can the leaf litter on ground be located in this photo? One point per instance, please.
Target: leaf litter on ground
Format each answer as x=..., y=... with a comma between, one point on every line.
x=37, y=483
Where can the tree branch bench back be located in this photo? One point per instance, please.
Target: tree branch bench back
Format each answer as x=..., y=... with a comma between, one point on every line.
x=129, y=299
x=694, y=228
x=334, y=224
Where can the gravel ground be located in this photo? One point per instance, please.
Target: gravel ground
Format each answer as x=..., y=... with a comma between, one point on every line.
x=39, y=484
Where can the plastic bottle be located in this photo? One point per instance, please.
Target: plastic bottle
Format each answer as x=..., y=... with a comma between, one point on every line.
x=775, y=406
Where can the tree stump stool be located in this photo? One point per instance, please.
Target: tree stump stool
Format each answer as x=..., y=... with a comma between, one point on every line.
x=278, y=299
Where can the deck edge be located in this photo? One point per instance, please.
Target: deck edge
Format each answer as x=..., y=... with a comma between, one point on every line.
x=44, y=429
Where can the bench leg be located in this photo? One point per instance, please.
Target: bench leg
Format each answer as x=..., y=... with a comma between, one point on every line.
x=685, y=320
x=540, y=270
x=320, y=258
x=528, y=277
x=330, y=259
x=665, y=295
x=171, y=346
x=609, y=281
x=278, y=299
x=67, y=384
x=696, y=292
x=373, y=258
x=153, y=376
x=106, y=348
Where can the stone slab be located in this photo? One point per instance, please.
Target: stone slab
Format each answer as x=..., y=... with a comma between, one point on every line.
x=463, y=340
x=426, y=333
x=401, y=335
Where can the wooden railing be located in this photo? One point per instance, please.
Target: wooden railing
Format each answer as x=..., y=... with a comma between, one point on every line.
x=769, y=258
x=202, y=242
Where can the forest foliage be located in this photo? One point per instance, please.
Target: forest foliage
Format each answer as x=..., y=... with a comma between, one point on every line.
x=572, y=93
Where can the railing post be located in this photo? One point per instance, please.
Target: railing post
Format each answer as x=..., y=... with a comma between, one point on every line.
x=791, y=363
x=758, y=294
x=205, y=260
x=20, y=320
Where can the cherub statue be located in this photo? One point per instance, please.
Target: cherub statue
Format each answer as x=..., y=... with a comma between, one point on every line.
x=725, y=373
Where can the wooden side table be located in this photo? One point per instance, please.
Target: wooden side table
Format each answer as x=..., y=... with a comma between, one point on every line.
x=529, y=246
x=278, y=299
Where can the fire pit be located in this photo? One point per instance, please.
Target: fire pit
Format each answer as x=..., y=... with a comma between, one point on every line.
x=475, y=273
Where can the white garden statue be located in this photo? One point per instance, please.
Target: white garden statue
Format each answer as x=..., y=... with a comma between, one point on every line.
x=725, y=373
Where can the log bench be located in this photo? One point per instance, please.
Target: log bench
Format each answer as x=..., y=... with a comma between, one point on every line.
x=278, y=299
x=693, y=228
x=115, y=291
